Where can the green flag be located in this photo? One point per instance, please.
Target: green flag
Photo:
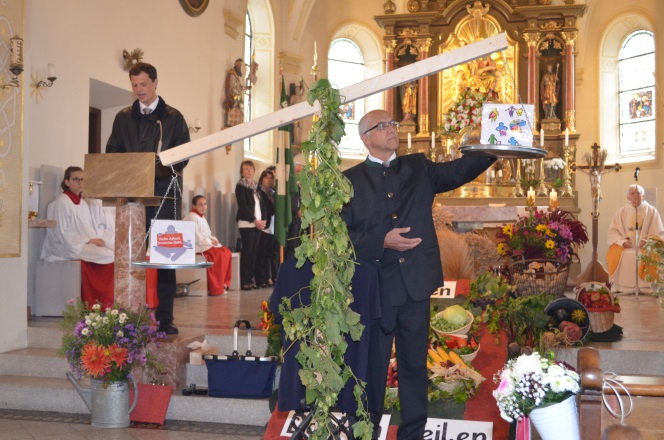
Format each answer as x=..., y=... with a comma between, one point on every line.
x=285, y=178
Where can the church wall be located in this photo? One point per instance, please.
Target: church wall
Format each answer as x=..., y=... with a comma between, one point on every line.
x=84, y=40
x=614, y=185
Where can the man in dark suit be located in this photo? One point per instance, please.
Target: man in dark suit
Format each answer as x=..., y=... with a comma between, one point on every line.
x=151, y=125
x=389, y=220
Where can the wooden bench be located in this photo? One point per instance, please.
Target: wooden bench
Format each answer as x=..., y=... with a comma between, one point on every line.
x=595, y=420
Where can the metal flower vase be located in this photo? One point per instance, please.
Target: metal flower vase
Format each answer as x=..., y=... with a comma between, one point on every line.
x=108, y=404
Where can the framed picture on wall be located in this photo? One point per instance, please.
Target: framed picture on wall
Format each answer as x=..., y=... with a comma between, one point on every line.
x=194, y=7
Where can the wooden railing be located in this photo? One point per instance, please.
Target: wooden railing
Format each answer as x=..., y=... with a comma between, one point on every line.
x=596, y=422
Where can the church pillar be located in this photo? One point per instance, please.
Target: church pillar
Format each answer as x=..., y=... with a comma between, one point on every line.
x=129, y=236
x=570, y=105
x=389, y=66
x=423, y=47
x=531, y=41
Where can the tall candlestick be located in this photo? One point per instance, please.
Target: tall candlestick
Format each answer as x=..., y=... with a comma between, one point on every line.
x=567, y=137
x=541, y=138
x=315, y=53
x=433, y=140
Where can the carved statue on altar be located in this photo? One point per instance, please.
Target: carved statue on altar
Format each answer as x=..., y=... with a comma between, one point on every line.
x=409, y=101
x=549, y=88
x=483, y=75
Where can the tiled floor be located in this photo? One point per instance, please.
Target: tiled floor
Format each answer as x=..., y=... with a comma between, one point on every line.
x=642, y=321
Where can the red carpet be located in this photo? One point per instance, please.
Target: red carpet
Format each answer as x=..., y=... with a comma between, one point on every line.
x=481, y=407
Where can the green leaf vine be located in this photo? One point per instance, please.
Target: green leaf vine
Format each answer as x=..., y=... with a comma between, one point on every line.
x=321, y=327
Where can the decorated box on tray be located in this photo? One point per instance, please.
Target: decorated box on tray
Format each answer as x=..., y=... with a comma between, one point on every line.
x=600, y=303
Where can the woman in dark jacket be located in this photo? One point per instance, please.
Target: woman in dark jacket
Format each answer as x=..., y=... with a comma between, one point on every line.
x=251, y=220
x=264, y=272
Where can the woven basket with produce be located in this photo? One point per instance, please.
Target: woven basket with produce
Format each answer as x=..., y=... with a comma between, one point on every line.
x=454, y=320
x=601, y=305
x=532, y=277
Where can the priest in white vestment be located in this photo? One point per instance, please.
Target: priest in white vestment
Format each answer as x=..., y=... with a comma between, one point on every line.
x=84, y=231
x=219, y=274
x=621, y=256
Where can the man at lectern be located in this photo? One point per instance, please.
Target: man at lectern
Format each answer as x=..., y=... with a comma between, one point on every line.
x=150, y=125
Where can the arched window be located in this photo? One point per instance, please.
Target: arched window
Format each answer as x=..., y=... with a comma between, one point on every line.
x=636, y=71
x=346, y=67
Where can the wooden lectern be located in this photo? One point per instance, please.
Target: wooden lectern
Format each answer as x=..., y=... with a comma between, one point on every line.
x=125, y=180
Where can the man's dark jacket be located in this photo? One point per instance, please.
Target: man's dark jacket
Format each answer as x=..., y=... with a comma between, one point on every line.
x=400, y=196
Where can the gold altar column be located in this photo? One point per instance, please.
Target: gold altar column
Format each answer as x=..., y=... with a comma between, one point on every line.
x=423, y=47
x=389, y=66
x=570, y=38
x=532, y=40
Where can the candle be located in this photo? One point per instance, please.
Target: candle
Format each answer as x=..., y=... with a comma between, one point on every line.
x=567, y=137
x=315, y=53
x=541, y=138
x=500, y=173
x=51, y=71
x=493, y=174
x=410, y=146
x=553, y=197
x=531, y=196
x=433, y=140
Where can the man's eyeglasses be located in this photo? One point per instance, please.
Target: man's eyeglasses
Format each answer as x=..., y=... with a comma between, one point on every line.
x=384, y=126
x=77, y=179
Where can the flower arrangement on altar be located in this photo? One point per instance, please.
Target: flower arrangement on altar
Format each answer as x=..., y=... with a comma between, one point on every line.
x=107, y=345
x=464, y=112
x=270, y=329
x=542, y=235
x=653, y=259
x=533, y=381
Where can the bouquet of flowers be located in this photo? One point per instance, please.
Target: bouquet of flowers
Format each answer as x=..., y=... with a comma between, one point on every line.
x=464, y=112
x=107, y=345
x=532, y=381
x=270, y=329
x=542, y=235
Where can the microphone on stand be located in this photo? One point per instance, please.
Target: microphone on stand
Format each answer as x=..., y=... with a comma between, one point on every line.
x=636, y=173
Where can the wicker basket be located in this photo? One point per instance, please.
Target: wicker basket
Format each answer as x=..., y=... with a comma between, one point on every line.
x=600, y=320
x=528, y=283
x=461, y=331
x=469, y=357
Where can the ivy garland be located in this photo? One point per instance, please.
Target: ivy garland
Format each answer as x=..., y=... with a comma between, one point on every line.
x=322, y=326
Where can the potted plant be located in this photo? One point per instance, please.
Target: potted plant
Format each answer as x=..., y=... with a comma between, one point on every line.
x=538, y=388
x=106, y=346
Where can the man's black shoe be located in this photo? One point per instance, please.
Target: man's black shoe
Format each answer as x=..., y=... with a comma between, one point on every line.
x=169, y=329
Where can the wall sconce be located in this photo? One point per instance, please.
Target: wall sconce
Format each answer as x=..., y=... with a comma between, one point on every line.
x=196, y=126
x=15, y=61
x=41, y=84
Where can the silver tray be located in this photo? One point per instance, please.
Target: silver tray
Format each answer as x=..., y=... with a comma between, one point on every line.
x=148, y=265
x=503, y=151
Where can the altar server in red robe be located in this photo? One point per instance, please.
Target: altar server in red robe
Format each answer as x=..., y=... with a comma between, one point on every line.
x=219, y=275
x=84, y=231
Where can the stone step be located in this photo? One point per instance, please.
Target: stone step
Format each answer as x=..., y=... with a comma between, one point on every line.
x=59, y=395
x=44, y=336
x=35, y=362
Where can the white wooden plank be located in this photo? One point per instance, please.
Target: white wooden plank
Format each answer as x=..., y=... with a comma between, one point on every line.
x=371, y=86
